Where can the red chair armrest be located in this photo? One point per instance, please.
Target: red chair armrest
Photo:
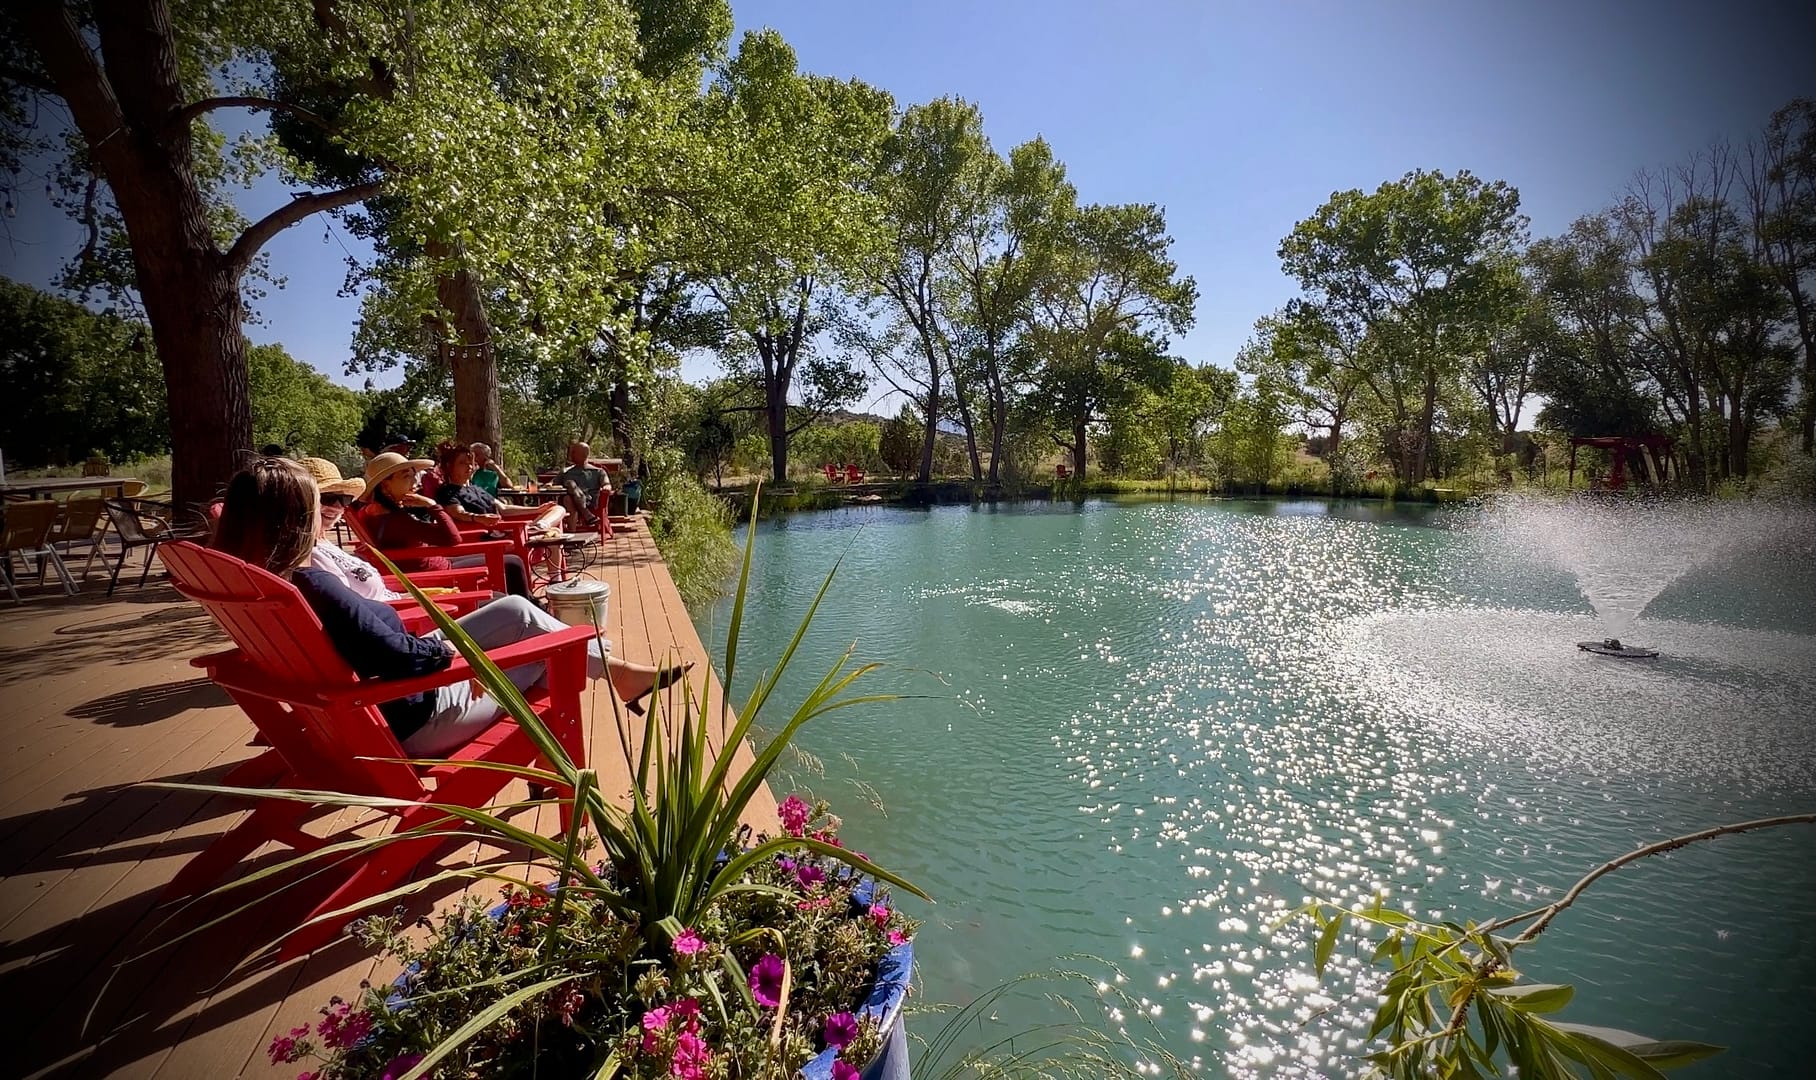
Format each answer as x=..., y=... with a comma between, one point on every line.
x=493, y=550
x=570, y=643
x=417, y=621
x=466, y=579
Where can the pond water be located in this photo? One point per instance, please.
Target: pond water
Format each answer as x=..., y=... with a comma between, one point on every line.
x=1143, y=730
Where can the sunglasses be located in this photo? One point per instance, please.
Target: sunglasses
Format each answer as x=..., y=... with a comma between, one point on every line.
x=337, y=500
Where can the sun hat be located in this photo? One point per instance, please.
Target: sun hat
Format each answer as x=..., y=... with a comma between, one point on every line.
x=383, y=465
x=328, y=477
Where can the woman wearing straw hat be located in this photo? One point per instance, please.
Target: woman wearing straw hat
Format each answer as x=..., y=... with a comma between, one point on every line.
x=358, y=575
x=270, y=519
x=398, y=517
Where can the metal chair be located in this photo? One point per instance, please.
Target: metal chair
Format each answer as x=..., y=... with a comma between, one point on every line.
x=27, y=532
x=83, y=522
x=139, y=523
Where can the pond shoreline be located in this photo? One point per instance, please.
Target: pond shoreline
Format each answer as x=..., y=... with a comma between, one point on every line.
x=778, y=500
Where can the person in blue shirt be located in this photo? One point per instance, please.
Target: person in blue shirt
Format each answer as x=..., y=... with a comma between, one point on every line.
x=270, y=518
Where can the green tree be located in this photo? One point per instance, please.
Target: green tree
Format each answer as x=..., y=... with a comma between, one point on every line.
x=899, y=441
x=932, y=184
x=999, y=260
x=797, y=151
x=1415, y=266
x=299, y=408
x=1585, y=370
x=1103, y=315
x=1780, y=184
x=76, y=381
x=1315, y=364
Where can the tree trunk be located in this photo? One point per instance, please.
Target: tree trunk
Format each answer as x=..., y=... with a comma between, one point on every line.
x=999, y=422
x=195, y=323
x=1079, y=420
x=775, y=412
x=1421, y=456
x=467, y=346
x=1739, y=436
x=970, y=426
x=932, y=426
x=621, y=419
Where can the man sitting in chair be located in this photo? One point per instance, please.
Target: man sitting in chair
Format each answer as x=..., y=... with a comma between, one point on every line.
x=588, y=489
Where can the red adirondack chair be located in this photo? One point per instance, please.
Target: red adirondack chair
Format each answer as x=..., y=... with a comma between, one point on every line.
x=832, y=473
x=854, y=475
x=493, y=550
x=327, y=734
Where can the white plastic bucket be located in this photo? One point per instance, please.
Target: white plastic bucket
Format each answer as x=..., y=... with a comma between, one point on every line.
x=580, y=602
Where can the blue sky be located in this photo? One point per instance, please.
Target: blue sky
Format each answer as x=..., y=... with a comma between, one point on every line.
x=1239, y=119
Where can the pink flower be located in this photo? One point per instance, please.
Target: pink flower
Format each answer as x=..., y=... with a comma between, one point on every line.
x=342, y=1028
x=841, y=1028
x=794, y=814
x=691, y=1056
x=308, y=1076
x=399, y=1066
x=879, y=913
x=687, y=943
x=809, y=876
x=569, y=1004
x=896, y=937
x=687, y=1010
x=815, y=903
x=288, y=1048
x=656, y=1019
x=843, y=1071
x=766, y=981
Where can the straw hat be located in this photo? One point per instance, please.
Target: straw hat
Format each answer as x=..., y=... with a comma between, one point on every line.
x=328, y=477
x=383, y=465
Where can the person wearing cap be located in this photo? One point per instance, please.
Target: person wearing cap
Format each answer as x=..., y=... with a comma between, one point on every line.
x=271, y=519
x=398, y=517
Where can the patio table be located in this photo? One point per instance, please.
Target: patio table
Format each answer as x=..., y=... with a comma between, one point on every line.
x=52, y=485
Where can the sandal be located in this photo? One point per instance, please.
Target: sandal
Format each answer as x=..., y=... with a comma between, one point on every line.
x=665, y=678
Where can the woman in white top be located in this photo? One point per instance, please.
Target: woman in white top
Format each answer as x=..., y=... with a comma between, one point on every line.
x=354, y=572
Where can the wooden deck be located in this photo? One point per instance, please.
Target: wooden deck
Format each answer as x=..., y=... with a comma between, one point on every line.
x=99, y=700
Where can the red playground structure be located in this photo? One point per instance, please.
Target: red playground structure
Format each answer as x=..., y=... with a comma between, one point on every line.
x=1649, y=457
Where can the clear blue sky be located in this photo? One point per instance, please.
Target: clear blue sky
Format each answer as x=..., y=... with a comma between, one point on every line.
x=1240, y=119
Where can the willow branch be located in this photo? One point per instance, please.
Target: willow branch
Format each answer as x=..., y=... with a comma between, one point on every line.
x=259, y=233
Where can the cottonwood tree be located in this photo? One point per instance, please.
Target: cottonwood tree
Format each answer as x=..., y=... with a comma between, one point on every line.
x=1413, y=267
x=486, y=127
x=797, y=150
x=1780, y=184
x=1104, y=311
x=932, y=184
x=1317, y=363
x=998, y=264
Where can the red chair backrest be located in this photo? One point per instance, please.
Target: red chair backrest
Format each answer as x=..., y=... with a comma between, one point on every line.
x=853, y=474
x=832, y=472
x=284, y=658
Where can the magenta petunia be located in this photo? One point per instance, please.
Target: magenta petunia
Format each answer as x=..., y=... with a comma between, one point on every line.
x=656, y=1019
x=896, y=937
x=766, y=981
x=879, y=913
x=687, y=943
x=843, y=1071
x=687, y=1010
x=398, y=1067
x=794, y=814
x=841, y=1029
x=691, y=1056
x=809, y=876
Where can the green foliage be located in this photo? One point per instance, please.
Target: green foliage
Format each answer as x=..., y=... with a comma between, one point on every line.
x=76, y=381
x=299, y=408
x=898, y=443
x=692, y=528
x=856, y=442
x=1456, y=1004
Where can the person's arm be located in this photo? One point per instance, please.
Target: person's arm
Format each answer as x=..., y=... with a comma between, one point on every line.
x=368, y=635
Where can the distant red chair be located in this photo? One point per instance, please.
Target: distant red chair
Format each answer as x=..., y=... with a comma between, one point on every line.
x=854, y=475
x=832, y=473
x=1062, y=471
x=326, y=733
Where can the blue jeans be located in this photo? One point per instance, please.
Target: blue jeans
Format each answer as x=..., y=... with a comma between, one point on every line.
x=461, y=713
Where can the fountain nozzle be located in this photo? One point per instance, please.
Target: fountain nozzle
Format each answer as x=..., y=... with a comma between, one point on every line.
x=1613, y=647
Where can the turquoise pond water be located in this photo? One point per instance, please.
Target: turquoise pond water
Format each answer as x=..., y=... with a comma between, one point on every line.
x=1143, y=729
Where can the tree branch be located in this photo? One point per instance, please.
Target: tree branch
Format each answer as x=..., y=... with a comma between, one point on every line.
x=189, y=113
x=31, y=79
x=259, y=233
